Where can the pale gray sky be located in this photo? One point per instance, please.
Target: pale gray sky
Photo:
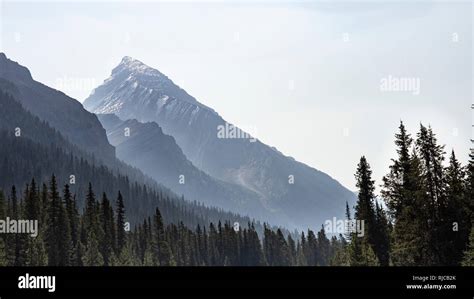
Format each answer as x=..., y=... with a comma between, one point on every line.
x=306, y=75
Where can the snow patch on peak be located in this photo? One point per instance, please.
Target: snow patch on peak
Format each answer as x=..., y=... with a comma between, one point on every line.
x=135, y=67
x=127, y=59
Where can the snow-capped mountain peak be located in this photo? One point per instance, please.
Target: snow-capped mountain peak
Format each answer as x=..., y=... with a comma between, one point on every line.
x=135, y=67
x=254, y=166
x=132, y=82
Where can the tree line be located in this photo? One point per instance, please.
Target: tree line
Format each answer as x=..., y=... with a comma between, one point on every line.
x=101, y=236
x=425, y=219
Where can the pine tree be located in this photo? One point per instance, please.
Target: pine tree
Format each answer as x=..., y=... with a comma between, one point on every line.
x=93, y=232
x=269, y=247
x=364, y=210
x=323, y=249
x=254, y=248
x=301, y=249
x=382, y=236
x=362, y=249
x=52, y=234
x=106, y=243
x=311, y=249
x=22, y=239
x=34, y=247
x=32, y=202
x=283, y=253
x=398, y=192
x=72, y=214
x=347, y=234
x=407, y=248
x=398, y=183
x=58, y=234
x=431, y=157
x=120, y=224
x=14, y=243
x=200, y=246
x=454, y=219
x=403, y=193
x=469, y=186
x=44, y=206
x=161, y=249
x=64, y=236
x=213, y=251
x=91, y=219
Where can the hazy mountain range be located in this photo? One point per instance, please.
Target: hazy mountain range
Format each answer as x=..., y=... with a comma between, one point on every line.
x=73, y=142
x=289, y=192
x=176, y=141
x=157, y=154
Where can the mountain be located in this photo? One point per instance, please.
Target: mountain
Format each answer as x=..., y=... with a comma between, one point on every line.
x=63, y=113
x=41, y=151
x=72, y=146
x=136, y=91
x=145, y=146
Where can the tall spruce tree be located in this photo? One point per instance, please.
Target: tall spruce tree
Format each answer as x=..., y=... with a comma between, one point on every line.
x=398, y=183
x=402, y=192
x=93, y=231
x=362, y=248
x=432, y=174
